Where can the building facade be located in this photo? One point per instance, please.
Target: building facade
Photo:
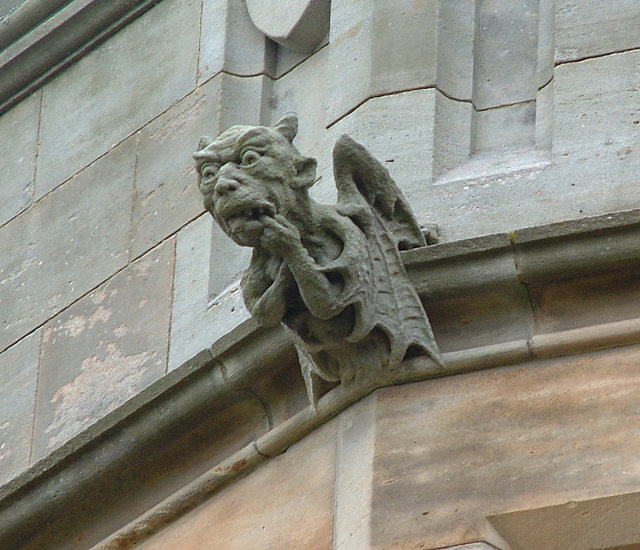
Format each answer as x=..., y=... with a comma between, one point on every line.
x=141, y=406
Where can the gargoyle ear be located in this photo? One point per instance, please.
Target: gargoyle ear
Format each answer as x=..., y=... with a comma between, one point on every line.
x=287, y=126
x=306, y=176
x=205, y=141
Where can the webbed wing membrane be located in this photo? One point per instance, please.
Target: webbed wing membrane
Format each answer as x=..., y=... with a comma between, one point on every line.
x=368, y=195
x=363, y=182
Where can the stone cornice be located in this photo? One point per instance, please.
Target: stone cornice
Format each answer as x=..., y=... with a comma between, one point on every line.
x=42, y=37
x=129, y=449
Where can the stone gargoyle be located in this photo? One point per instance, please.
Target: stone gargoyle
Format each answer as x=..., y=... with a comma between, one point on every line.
x=330, y=273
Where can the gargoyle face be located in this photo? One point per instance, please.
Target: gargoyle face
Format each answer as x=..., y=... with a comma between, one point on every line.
x=251, y=172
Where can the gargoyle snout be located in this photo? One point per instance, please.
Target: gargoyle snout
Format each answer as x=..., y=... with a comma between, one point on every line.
x=226, y=185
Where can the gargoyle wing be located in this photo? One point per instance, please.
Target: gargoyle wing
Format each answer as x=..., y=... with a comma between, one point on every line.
x=364, y=183
x=371, y=199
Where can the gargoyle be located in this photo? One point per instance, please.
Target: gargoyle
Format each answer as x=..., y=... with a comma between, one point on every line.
x=330, y=273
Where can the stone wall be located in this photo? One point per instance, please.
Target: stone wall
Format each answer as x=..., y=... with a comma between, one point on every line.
x=110, y=273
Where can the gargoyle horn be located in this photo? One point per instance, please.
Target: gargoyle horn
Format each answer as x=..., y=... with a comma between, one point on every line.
x=287, y=126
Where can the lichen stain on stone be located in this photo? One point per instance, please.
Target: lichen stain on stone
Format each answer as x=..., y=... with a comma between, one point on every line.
x=46, y=334
x=102, y=385
x=121, y=331
x=99, y=296
x=101, y=314
x=75, y=326
x=142, y=267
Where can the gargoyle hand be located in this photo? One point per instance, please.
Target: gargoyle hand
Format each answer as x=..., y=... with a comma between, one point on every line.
x=280, y=236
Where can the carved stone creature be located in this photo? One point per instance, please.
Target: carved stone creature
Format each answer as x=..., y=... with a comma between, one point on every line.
x=330, y=273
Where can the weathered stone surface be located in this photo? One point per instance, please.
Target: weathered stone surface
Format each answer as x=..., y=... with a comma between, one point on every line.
x=304, y=90
x=116, y=89
x=166, y=197
x=597, y=300
x=473, y=546
x=379, y=47
x=456, y=26
x=205, y=260
x=590, y=27
x=18, y=141
x=481, y=319
x=298, y=25
x=230, y=42
x=70, y=241
x=595, y=155
x=268, y=509
x=450, y=452
x=451, y=134
x=610, y=522
x=398, y=130
x=505, y=52
x=354, y=476
x=509, y=127
x=104, y=349
x=18, y=376
x=287, y=60
x=546, y=42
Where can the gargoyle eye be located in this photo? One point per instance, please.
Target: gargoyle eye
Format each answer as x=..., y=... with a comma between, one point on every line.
x=250, y=157
x=209, y=170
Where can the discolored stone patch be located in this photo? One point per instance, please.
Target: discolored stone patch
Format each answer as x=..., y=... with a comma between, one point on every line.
x=451, y=452
x=104, y=349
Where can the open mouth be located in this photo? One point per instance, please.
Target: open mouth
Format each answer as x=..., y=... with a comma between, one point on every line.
x=249, y=214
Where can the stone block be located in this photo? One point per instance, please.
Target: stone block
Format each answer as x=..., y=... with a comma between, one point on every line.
x=480, y=319
x=505, y=52
x=544, y=117
x=596, y=110
x=287, y=60
x=230, y=42
x=606, y=523
x=590, y=28
x=379, y=47
x=594, y=167
x=546, y=42
x=104, y=349
x=304, y=90
x=354, y=475
x=502, y=440
x=196, y=272
x=113, y=91
x=18, y=142
x=18, y=376
x=500, y=128
x=569, y=304
x=398, y=131
x=268, y=509
x=65, y=244
x=456, y=27
x=166, y=191
x=452, y=134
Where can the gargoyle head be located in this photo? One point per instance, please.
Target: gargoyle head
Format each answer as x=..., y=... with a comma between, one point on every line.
x=252, y=171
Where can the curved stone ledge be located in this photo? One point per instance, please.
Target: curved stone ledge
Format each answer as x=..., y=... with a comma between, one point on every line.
x=112, y=484
x=40, y=38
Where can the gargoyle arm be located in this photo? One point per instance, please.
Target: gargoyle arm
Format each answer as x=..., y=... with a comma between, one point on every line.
x=267, y=306
x=320, y=295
